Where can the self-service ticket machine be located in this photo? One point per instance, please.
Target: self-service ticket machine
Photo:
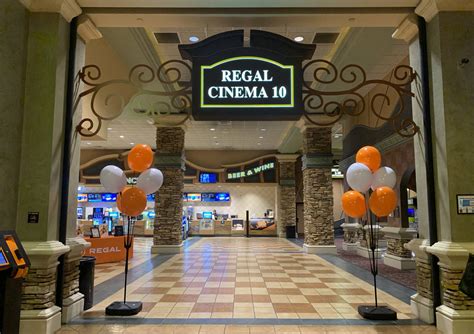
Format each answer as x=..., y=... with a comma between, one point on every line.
x=14, y=265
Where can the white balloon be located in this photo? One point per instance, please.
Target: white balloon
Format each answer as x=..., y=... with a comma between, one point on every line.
x=359, y=177
x=384, y=177
x=113, y=178
x=150, y=180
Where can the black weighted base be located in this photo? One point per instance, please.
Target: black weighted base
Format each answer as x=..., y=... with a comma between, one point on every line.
x=377, y=313
x=121, y=308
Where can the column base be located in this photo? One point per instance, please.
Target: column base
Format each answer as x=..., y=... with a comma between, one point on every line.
x=362, y=251
x=167, y=249
x=320, y=249
x=401, y=263
x=453, y=321
x=422, y=307
x=45, y=321
x=72, y=307
x=349, y=247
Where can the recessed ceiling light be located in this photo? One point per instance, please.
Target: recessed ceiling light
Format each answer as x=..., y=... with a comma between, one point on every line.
x=109, y=129
x=212, y=129
x=259, y=143
x=215, y=137
x=121, y=136
x=132, y=143
x=216, y=143
x=261, y=137
x=193, y=39
x=88, y=143
x=299, y=39
x=263, y=129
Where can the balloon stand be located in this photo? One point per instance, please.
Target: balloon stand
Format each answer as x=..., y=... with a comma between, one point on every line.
x=374, y=312
x=125, y=308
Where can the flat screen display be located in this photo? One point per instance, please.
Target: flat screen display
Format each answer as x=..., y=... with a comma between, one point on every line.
x=114, y=214
x=208, y=178
x=82, y=197
x=194, y=197
x=207, y=215
x=98, y=213
x=109, y=197
x=208, y=197
x=80, y=213
x=94, y=197
x=2, y=258
x=150, y=197
x=222, y=197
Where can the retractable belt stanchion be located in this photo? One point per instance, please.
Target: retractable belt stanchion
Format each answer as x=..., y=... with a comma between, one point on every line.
x=14, y=265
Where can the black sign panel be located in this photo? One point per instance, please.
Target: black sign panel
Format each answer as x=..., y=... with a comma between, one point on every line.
x=260, y=82
x=247, y=81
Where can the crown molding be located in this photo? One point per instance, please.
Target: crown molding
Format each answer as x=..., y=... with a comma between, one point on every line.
x=429, y=8
x=67, y=8
x=87, y=30
x=407, y=30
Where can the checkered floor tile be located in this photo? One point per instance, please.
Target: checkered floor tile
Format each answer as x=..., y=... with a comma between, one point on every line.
x=259, y=278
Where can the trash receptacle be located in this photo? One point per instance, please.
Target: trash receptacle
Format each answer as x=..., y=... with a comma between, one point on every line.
x=291, y=232
x=86, y=280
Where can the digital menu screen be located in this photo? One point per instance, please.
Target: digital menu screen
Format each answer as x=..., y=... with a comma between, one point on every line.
x=82, y=197
x=222, y=197
x=2, y=259
x=94, y=197
x=194, y=197
x=109, y=197
x=150, y=197
x=208, y=178
x=208, y=197
x=207, y=215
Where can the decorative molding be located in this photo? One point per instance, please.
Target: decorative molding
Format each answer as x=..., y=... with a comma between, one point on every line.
x=407, y=30
x=452, y=255
x=87, y=29
x=67, y=8
x=287, y=157
x=44, y=254
x=204, y=169
x=317, y=161
x=249, y=161
x=429, y=8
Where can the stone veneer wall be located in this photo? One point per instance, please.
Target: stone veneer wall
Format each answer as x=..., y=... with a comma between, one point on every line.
x=169, y=201
x=317, y=187
x=287, y=196
x=71, y=278
x=39, y=289
x=452, y=296
x=423, y=278
x=395, y=247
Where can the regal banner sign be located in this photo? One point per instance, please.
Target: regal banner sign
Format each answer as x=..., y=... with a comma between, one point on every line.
x=260, y=82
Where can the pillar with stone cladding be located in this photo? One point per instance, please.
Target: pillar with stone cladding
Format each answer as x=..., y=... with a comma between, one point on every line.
x=317, y=189
x=286, y=209
x=448, y=43
x=169, y=158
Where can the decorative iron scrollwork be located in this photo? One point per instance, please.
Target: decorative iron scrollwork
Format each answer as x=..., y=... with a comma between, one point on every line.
x=326, y=107
x=109, y=98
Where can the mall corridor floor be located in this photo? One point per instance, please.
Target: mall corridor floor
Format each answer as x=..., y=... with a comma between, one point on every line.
x=238, y=285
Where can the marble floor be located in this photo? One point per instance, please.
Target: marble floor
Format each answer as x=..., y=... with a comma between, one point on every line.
x=240, y=285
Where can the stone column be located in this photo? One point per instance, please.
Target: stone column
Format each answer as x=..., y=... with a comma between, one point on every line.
x=397, y=255
x=169, y=158
x=450, y=45
x=286, y=193
x=351, y=236
x=318, y=195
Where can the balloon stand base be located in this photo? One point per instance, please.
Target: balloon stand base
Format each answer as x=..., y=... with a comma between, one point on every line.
x=377, y=313
x=123, y=309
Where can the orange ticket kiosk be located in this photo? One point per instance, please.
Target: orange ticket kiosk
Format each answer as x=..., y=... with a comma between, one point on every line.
x=14, y=265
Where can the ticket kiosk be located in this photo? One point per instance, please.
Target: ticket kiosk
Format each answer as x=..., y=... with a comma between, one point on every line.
x=14, y=265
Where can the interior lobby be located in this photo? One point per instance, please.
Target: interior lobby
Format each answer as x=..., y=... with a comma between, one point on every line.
x=255, y=114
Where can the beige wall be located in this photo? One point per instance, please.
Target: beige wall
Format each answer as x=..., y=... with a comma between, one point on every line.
x=337, y=190
x=217, y=158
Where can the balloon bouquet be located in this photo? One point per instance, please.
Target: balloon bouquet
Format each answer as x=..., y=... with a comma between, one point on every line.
x=131, y=201
x=361, y=176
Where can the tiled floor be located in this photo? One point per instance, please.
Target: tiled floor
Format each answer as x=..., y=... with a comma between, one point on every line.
x=240, y=285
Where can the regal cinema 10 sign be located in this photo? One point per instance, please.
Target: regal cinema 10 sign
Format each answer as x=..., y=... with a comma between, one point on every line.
x=247, y=81
x=262, y=81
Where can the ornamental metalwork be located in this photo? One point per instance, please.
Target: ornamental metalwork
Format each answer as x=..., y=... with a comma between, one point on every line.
x=107, y=104
x=322, y=107
x=327, y=107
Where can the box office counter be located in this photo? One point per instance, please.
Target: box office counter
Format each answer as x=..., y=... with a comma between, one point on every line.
x=232, y=227
x=108, y=249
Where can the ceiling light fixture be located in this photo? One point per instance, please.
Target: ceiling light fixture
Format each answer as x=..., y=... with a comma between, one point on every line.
x=216, y=143
x=88, y=143
x=263, y=129
x=299, y=39
x=259, y=143
x=215, y=137
x=261, y=137
x=212, y=129
x=121, y=136
x=109, y=129
x=132, y=143
x=193, y=39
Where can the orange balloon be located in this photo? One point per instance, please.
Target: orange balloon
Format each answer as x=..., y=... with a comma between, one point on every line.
x=383, y=201
x=133, y=201
x=369, y=156
x=140, y=158
x=353, y=204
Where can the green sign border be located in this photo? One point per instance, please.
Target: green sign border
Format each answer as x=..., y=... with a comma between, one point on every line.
x=290, y=67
